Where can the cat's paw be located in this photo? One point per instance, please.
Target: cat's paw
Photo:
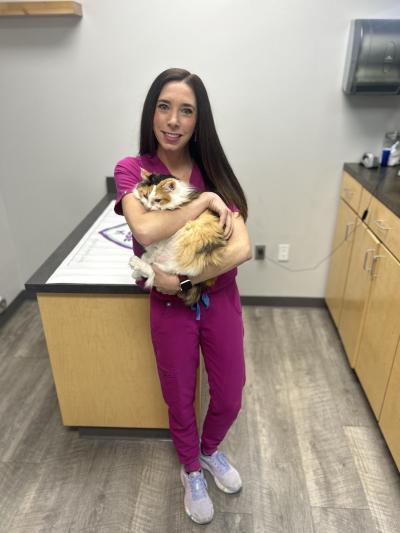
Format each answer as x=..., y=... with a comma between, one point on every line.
x=136, y=275
x=140, y=269
x=134, y=261
x=150, y=281
x=136, y=265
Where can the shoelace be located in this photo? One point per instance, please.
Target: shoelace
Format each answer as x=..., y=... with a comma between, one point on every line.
x=198, y=486
x=220, y=462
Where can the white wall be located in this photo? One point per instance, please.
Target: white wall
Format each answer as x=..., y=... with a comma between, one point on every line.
x=10, y=276
x=71, y=94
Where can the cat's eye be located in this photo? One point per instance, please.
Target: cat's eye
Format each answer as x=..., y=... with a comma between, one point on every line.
x=157, y=200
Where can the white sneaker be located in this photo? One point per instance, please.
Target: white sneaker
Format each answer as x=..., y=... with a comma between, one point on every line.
x=225, y=475
x=198, y=505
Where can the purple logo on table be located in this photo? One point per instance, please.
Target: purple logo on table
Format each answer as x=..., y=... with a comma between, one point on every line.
x=120, y=234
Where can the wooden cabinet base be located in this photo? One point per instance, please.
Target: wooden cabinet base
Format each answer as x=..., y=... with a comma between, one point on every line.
x=358, y=283
x=102, y=360
x=363, y=293
x=380, y=332
x=389, y=421
x=338, y=268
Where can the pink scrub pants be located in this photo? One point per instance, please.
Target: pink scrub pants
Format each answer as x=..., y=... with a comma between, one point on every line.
x=177, y=336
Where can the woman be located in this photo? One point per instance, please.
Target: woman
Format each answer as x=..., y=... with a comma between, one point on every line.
x=178, y=137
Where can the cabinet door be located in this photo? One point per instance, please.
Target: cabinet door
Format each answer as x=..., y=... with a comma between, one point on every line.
x=389, y=421
x=358, y=283
x=385, y=225
x=381, y=329
x=344, y=233
x=351, y=191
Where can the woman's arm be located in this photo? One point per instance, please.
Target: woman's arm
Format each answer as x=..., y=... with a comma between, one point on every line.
x=236, y=252
x=152, y=226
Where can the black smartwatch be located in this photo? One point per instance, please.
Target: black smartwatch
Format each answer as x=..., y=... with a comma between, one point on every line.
x=185, y=283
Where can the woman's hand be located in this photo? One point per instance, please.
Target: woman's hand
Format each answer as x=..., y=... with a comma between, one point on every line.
x=216, y=204
x=165, y=283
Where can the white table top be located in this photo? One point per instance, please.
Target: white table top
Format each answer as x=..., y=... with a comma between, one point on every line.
x=101, y=256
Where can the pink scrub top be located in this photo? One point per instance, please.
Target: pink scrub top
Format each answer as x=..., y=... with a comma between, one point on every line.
x=127, y=176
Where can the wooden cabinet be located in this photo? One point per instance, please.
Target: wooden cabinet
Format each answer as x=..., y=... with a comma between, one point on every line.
x=357, y=289
x=386, y=225
x=363, y=296
x=342, y=244
x=351, y=191
x=381, y=330
x=103, y=362
x=389, y=421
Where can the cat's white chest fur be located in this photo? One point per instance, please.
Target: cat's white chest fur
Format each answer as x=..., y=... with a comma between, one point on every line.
x=161, y=254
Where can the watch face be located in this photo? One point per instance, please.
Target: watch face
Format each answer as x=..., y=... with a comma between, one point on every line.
x=186, y=285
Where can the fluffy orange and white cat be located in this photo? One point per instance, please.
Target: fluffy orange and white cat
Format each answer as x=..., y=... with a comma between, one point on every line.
x=198, y=244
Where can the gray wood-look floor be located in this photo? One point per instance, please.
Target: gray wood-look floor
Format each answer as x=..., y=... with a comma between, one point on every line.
x=308, y=447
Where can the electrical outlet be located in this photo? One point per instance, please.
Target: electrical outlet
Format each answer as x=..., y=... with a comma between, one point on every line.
x=283, y=252
x=259, y=251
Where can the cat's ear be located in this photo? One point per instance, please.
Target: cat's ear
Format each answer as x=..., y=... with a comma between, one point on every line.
x=145, y=174
x=169, y=185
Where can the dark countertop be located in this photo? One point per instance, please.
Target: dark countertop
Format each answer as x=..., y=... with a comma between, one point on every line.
x=37, y=282
x=382, y=182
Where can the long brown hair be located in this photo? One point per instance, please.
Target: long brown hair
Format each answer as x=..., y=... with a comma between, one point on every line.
x=204, y=146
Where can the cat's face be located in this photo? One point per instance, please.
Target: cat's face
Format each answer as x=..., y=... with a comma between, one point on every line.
x=158, y=192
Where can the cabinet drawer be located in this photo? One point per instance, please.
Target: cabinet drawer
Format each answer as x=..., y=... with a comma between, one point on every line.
x=385, y=225
x=351, y=191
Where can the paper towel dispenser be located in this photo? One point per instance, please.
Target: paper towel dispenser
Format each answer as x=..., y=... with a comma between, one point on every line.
x=373, y=57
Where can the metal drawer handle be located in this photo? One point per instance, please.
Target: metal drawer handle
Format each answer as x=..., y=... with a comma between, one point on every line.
x=366, y=257
x=374, y=261
x=381, y=225
x=347, y=229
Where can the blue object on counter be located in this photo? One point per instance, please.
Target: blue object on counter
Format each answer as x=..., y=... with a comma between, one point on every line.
x=385, y=157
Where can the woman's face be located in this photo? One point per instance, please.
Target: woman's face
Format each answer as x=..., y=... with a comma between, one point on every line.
x=175, y=116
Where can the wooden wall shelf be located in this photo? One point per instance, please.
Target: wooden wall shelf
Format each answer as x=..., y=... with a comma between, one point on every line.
x=12, y=9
